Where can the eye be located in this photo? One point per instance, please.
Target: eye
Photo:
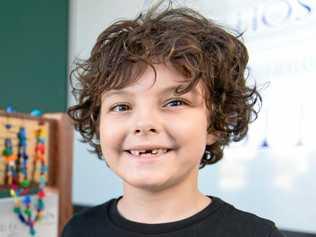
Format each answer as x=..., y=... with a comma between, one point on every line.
x=119, y=108
x=177, y=102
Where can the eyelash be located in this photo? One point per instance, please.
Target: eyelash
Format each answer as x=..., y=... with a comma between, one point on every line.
x=176, y=99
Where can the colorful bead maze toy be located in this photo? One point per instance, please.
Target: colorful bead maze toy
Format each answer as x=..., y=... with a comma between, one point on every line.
x=28, y=159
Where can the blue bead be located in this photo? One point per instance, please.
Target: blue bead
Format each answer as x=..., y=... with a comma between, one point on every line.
x=23, y=132
x=21, y=217
x=10, y=109
x=8, y=126
x=23, y=143
x=8, y=142
x=26, y=200
x=43, y=169
x=36, y=113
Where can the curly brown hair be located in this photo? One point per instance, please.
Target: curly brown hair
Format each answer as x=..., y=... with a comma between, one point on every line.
x=195, y=46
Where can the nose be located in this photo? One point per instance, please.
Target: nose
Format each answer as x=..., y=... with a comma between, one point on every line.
x=146, y=122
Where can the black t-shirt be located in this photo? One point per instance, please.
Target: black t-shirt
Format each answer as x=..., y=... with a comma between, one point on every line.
x=218, y=219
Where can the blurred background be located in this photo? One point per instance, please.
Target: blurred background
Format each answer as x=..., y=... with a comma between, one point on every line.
x=270, y=173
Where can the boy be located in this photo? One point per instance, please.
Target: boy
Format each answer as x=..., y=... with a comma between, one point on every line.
x=159, y=98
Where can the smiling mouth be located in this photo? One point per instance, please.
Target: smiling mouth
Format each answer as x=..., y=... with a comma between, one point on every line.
x=147, y=153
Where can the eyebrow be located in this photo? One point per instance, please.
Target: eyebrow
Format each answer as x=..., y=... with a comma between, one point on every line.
x=166, y=90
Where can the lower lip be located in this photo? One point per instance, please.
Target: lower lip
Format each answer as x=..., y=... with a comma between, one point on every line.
x=148, y=158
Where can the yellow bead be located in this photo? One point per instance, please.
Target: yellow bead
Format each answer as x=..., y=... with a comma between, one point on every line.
x=12, y=192
x=40, y=214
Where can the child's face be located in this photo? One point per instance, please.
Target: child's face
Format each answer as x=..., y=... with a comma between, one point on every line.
x=147, y=116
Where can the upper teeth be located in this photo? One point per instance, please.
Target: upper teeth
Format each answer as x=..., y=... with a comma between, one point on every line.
x=154, y=151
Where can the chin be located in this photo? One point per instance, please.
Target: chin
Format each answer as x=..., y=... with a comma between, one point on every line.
x=152, y=184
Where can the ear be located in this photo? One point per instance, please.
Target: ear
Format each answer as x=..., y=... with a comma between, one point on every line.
x=211, y=139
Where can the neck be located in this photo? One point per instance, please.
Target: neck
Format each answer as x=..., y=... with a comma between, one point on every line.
x=163, y=206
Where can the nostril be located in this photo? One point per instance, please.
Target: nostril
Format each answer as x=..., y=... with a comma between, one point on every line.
x=151, y=130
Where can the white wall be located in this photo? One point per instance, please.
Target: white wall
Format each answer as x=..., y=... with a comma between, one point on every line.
x=275, y=182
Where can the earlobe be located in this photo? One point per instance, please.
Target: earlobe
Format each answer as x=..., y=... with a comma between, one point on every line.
x=211, y=139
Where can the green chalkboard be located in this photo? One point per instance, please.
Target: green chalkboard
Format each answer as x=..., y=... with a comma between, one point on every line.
x=33, y=55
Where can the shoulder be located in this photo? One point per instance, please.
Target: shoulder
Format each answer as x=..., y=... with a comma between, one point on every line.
x=246, y=223
x=254, y=224
x=84, y=223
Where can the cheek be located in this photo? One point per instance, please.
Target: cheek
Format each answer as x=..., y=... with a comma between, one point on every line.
x=191, y=125
x=106, y=130
x=110, y=134
x=190, y=133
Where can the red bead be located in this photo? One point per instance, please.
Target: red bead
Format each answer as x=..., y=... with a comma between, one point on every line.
x=14, y=186
x=40, y=148
x=41, y=194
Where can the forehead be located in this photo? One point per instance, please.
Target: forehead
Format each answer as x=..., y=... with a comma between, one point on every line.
x=167, y=81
